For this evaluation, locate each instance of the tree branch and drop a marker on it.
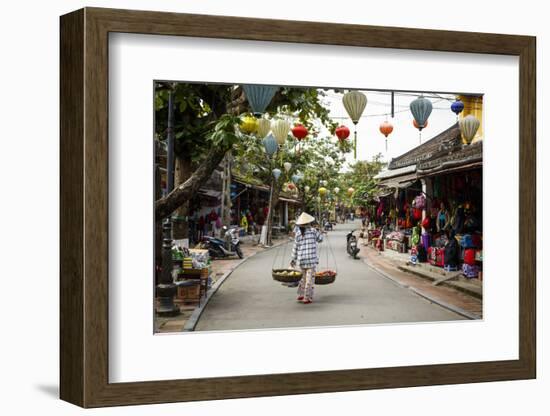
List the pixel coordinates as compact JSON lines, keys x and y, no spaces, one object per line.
{"x":188,"y":189}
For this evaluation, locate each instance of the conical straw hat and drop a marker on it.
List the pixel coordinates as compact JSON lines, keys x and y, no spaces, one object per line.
{"x":304,"y":219}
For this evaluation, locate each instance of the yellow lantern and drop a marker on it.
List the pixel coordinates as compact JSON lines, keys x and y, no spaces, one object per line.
{"x":322,"y":191}
{"x":248,"y":124}
{"x":351,"y":191}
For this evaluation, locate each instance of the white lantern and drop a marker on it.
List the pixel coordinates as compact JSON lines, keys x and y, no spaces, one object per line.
{"x":280,"y":129}
{"x":287,"y":166}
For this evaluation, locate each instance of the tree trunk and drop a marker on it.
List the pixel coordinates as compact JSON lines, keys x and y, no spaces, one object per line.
{"x":273,"y":205}
{"x":183,"y":171}
{"x":182,"y":193}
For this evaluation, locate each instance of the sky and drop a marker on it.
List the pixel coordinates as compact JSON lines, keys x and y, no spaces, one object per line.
{"x":404,"y":136}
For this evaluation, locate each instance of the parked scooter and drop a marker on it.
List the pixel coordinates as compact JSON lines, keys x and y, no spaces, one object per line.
{"x":352,"y":248}
{"x":327,"y":225}
{"x":228,"y":247}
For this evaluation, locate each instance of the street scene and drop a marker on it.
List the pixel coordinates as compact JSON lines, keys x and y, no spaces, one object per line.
{"x":285,"y":207}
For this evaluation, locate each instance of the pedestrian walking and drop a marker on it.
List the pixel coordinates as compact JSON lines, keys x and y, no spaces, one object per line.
{"x":305,"y":254}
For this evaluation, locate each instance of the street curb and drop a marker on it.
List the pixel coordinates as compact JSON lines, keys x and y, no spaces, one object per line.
{"x":191,"y":323}
{"x":422,"y":294}
{"x":450,"y":284}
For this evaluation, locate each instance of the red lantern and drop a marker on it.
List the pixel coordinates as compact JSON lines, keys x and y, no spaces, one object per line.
{"x":426,"y":223}
{"x":342,"y":133}
{"x":415,"y":124}
{"x":417,"y":214}
{"x":291,"y":186}
{"x":299,"y":131}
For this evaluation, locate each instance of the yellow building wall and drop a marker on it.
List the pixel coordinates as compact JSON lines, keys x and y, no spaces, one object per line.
{"x":473,"y":105}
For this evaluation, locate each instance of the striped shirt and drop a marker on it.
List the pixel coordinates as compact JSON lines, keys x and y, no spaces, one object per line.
{"x":304,"y":251}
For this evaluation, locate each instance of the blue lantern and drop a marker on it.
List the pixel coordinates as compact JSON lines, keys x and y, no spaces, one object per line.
{"x":259,"y":96}
{"x":457,"y":106}
{"x":270,"y":144}
{"x":276,"y":173}
{"x":295,"y":178}
{"x":421,"y":108}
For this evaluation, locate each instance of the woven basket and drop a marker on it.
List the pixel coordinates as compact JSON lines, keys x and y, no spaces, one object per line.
{"x":276,"y":273}
{"x":325,"y":279}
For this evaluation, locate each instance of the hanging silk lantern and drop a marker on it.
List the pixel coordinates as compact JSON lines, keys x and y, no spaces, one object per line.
{"x":415,"y":124}
{"x":336,"y":190}
{"x":469,"y":126}
{"x":287,"y":166}
{"x":342,"y":133}
{"x":299,"y":131}
{"x":295,"y":178}
{"x":355,"y":103}
{"x":248,"y":124}
{"x":457,"y":106}
{"x":276,"y":173}
{"x":259,"y":96}
{"x":386,"y":128}
{"x":323,"y":183}
{"x":270,"y":145}
{"x":307,"y":188}
{"x":280,"y":129}
{"x":322,"y":191}
{"x":264,"y":126}
{"x":421,"y":108}
{"x":351,"y":191}
{"x":291,"y":186}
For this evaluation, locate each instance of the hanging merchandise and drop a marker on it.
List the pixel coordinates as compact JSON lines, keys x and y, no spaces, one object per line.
{"x":457,"y":106}
{"x":469,"y":126}
{"x":248,"y":124}
{"x":264,"y":126}
{"x":355,"y":103}
{"x":287,"y":166}
{"x":342,"y":133}
{"x":276,"y":173}
{"x":280,"y":129}
{"x":421,"y":108}
{"x":270,"y":145}
{"x":426,"y":223}
{"x":420,"y":201}
{"x":386,"y":128}
{"x":417,"y":214}
{"x":259,"y":96}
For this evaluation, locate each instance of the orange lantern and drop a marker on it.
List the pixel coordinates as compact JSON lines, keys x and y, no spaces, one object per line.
{"x":386,"y":128}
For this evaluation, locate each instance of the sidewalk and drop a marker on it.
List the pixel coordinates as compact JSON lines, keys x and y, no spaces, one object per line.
{"x":220,"y":270}
{"x":452,"y":291}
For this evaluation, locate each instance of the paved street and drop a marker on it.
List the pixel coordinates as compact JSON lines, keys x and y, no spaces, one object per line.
{"x":250,"y":298}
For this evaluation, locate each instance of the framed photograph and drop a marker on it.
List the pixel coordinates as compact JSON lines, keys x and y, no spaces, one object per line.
{"x":254,"y":207}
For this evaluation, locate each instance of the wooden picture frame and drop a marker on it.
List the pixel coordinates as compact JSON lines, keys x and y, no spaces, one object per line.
{"x":84,"y":207}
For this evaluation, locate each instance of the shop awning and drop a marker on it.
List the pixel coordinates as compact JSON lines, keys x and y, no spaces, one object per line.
{"x":292,"y":201}
{"x":403,"y":181}
{"x":251,"y":185}
{"x":210,"y":193}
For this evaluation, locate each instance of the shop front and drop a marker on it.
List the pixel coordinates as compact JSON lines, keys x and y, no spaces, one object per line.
{"x":430,"y":205}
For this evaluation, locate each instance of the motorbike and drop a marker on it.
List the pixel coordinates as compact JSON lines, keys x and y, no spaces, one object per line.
{"x":228,"y":247}
{"x":352,"y":248}
{"x":328,"y":226}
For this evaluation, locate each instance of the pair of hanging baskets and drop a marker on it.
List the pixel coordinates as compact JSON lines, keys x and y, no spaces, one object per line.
{"x":293,"y":276}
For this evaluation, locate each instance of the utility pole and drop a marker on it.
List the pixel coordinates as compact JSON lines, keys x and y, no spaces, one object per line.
{"x":166,"y":289}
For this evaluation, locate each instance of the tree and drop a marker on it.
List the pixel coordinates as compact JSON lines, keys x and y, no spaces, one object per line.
{"x":361,"y":178}
{"x":206,"y":117}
